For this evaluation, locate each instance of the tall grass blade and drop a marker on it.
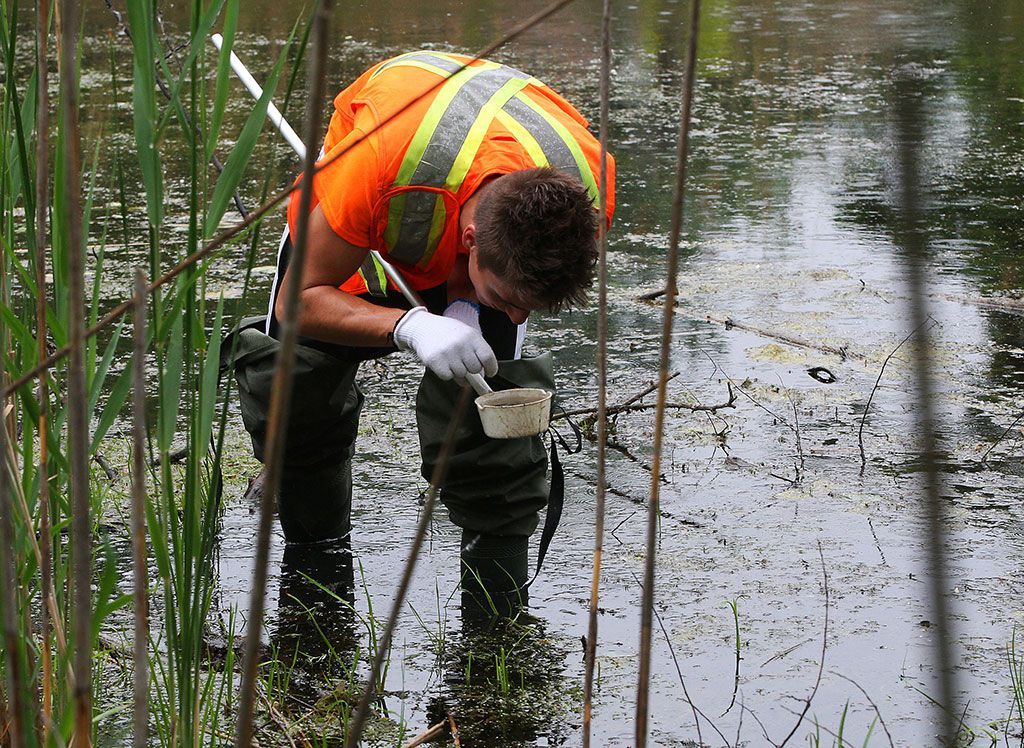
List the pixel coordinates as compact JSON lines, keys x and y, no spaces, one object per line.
{"x":17,"y":713}
{"x":140,"y":569}
{"x":78,"y":433}
{"x":222,"y":89}
{"x":142,"y":26}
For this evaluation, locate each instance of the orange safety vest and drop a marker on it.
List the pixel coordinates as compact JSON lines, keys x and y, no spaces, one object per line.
{"x":449,"y":124}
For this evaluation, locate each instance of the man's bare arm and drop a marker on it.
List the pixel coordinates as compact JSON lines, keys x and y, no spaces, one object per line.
{"x":326,"y":312}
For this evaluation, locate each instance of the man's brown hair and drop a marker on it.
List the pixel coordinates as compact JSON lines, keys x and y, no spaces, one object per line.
{"x":536,"y":229}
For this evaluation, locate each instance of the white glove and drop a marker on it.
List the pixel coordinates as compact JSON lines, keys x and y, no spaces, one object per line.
{"x":447,"y":347}
{"x":464,"y":311}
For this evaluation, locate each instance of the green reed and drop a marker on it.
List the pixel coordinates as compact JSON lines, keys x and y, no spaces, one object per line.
{"x":190,"y":691}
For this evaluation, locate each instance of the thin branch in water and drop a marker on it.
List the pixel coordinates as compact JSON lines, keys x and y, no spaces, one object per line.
{"x":984,"y":457}
{"x":867,"y":407}
{"x":870,"y":701}
{"x":679,"y":672}
{"x":783,"y":337}
{"x":647,"y":605}
{"x":821,"y":662}
{"x":799,"y":440}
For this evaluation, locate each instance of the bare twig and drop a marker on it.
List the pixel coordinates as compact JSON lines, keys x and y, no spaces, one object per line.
{"x":821,"y":662}
{"x":625,"y":403}
{"x":616,"y":410}
{"x":601,"y":415}
{"x":984,"y":457}
{"x":432,"y":732}
{"x":784,"y":337}
{"x":647,"y":605}
{"x":697,"y":713}
{"x":799,"y":440}
{"x":140,"y":572}
{"x":867,"y":407}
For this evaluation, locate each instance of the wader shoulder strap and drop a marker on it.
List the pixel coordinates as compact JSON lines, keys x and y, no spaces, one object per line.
{"x":556,"y":495}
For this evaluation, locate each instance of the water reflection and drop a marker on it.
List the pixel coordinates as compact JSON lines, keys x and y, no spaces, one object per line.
{"x":504,"y":684}
{"x":314,"y":629}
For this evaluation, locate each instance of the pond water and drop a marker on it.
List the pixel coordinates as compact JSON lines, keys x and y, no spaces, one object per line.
{"x":790,"y":230}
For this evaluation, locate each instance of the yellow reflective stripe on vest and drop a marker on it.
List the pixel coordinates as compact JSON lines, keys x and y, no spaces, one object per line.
{"x":436,"y":62}
{"x":524,"y":138}
{"x":466,"y":154}
{"x":560,"y":147}
{"x":372,"y":273}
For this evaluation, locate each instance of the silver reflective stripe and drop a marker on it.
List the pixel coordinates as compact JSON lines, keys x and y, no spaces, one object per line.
{"x":445,"y":63}
{"x":439,"y":157}
{"x":555,"y":149}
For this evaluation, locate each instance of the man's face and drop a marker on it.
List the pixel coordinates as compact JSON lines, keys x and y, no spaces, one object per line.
{"x":493,"y":291}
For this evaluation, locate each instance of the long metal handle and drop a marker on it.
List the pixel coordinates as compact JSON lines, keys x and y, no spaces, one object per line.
{"x":278,"y":120}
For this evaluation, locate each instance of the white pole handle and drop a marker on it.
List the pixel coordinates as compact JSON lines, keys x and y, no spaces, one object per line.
{"x":299,"y":147}
{"x":257,"y":91}
{"x":476,"y":379}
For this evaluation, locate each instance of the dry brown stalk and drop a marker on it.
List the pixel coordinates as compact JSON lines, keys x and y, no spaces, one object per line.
{"x":42,"y":390}
{"x":647,"y":606}
{"x":602,"y":377}
{"x":434,"y":731}
{"x":283,"y":375}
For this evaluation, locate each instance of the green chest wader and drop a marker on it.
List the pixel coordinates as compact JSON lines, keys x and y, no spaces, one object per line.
{"x":494,"y":489}
{"x":315,"y":500}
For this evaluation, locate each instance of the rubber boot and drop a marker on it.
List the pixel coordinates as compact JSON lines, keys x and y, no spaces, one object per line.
{"x":315,"y":504}
{"x":494,"y":575}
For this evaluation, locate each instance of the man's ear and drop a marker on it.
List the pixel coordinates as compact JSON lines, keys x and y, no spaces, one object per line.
{"x":469,"y":236}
